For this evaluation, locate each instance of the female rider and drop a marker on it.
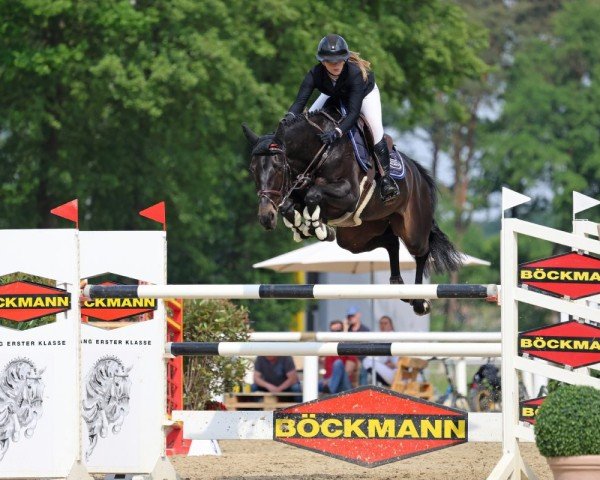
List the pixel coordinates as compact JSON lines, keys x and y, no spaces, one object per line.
{"x":341,"y":75}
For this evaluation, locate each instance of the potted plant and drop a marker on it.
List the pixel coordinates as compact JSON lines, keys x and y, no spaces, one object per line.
{"x":567,"y":432}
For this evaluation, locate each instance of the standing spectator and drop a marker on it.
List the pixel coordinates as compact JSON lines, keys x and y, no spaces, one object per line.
{"x":276,"y":374}
{"x":385,"y":367}
{"x":338,"y":370}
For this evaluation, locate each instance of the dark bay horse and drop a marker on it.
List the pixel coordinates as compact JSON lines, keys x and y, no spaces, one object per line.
{"x":311,"y":184}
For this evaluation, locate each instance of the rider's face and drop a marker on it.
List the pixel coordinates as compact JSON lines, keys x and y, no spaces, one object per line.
{"x":334,"y":68}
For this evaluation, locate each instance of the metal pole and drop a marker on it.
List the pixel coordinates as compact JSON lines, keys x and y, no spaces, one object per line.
{"x":323,"y":292}
{"x":228,"y":349}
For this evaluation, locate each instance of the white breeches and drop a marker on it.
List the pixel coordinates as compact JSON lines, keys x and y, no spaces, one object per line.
{"x":370,"y":108}
{"x":378,"y":364}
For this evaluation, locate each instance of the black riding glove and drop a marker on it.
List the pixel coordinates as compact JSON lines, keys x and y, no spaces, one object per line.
{"x":329,"y":137}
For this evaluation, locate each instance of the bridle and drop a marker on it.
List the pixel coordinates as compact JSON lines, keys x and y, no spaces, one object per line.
{"x":274,"y":150}
{"x":302,"y":179}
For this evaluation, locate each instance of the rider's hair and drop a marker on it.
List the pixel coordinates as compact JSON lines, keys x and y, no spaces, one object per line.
{"x":361,"y":63}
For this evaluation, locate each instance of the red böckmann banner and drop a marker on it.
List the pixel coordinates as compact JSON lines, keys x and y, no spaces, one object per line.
{"x":370,"y":426}
{"x":570,"y":275}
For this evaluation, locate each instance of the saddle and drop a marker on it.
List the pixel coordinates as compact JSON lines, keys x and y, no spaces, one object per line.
{"x":361,"y":137}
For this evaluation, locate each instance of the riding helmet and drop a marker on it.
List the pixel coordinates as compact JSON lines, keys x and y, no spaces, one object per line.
{"x":332,"y":48}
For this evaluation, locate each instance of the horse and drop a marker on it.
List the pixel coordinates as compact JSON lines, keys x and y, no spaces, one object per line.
{"x":21,"y":399}
{"x":106,"y":401}
{"x":312,"y":185}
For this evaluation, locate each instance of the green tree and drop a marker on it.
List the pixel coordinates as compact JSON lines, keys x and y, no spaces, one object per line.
{"x":547,"y":138}
{"x":124,"y":103}
{"x":454,"y":127}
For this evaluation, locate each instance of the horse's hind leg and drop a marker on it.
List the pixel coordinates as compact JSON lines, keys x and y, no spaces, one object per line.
{"x":420,"y":307}
{"x":392,"y":245}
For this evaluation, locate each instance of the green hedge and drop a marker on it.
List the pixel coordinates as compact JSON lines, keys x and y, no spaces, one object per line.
{"x":205,"y":377}
{"x":568,"y":422}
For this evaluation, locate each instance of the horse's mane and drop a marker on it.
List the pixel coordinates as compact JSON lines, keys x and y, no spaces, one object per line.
{"x":315,"y":113}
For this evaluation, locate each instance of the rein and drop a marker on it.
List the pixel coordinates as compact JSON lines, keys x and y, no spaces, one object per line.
{"x":302,"y":179}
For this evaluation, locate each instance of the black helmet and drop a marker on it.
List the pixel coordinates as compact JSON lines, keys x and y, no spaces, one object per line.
{"x":332,"y":48}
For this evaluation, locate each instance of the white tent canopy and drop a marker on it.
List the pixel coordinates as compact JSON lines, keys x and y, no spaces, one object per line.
{"x":330,"y":257}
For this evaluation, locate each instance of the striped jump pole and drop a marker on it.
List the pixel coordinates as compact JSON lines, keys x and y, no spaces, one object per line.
{"x":332,"y":349}
{"x":322,"y":292}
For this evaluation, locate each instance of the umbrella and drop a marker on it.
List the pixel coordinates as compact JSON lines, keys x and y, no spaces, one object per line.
{"x":330,"y":257}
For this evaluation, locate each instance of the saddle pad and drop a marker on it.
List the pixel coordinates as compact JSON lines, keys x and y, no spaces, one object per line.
{"x":361,"y":152}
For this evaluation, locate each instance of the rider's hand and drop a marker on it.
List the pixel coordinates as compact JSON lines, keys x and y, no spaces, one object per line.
{"x":330,"y":136}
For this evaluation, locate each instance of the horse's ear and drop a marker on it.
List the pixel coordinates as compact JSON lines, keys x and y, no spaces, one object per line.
{"x":250,"y":135}
{"x":279,"y":134}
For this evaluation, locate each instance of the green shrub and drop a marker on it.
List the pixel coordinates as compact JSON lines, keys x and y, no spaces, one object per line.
{"x":205,"y":377}
{"x":568,"y":422}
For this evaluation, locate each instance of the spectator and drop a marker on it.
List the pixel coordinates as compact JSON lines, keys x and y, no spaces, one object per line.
{"x":353,"y":321}
{"x":353,"y":324}
{"x":385,"y":367}
{"x":276,"y":374}
{"x":386,"y":324}
{"x":338,"y":370}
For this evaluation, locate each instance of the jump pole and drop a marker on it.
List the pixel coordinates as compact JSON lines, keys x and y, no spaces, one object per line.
{"x":332,"y":349}
{"x":319,"y":292}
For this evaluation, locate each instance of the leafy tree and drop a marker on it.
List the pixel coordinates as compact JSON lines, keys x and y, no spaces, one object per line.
{"x":547,"y":138}
{"x":124,"y":103}
{"x":454,"y":127}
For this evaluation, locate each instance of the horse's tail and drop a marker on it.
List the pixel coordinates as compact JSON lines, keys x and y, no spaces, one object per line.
{"x":444,"y":258}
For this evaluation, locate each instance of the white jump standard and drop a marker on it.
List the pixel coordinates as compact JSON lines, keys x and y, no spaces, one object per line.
{"x":319,"y":292}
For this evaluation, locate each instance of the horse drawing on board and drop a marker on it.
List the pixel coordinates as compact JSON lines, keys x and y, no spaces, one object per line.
{"x":317,"y":187}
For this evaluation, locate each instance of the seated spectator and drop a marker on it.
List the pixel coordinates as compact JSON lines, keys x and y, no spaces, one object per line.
{"x":386,"y":324}
{"x":353,"y":324}
{"x":338,"y":370}
{"x":276,"y":374}
{"x":385,"y":367}
{"x":353,"y":321}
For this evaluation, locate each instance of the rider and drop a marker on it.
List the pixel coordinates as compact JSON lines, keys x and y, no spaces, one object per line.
{"x":345,"y":77}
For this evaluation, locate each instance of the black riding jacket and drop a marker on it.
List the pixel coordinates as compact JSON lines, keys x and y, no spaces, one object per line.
{"x":350,"y":88}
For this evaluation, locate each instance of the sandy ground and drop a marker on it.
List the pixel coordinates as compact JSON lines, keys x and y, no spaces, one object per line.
{"x":262,"y":459}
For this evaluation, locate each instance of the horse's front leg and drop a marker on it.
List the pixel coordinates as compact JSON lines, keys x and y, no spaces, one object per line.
{"x":313,"y":215}
{"x":327,"y":200}
{"x":292,"y":218}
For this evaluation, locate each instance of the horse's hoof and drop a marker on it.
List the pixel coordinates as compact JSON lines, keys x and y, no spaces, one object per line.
{"x":421,"y":307}
{"x":396,"y":280}
{"x":330,"y":234}
{"x":321,"y":232}
{"x":297,"y":237}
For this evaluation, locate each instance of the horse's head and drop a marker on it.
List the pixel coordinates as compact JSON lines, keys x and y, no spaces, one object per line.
{"x":270,"y":169}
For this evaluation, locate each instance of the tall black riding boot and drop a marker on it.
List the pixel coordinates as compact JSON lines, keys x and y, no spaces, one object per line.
{"x":389,"y":188}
